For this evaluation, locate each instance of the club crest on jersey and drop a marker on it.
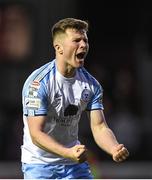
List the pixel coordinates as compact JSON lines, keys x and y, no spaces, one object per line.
{"x":86,"y":95}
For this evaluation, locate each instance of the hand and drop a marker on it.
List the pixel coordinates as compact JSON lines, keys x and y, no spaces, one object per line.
{"x":78,"y":153}
{"x":120,"y":153}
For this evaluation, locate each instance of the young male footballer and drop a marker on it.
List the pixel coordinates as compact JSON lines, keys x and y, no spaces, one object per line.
{"x":54,"y":97}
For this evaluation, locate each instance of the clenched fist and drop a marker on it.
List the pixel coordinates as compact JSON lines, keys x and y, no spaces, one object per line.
{"x":119,"y":153}
{"x":78,"y":153}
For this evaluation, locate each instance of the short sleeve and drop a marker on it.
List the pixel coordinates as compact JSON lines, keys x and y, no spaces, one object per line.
{"x":97,"y":99}
{"x":35,"y":101}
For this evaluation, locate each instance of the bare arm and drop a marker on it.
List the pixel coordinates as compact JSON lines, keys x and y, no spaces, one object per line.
{"x":47,"y":143}
{"x":105,"y":138}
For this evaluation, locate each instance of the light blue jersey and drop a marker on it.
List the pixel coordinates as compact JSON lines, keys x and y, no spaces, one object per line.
{"x":62,"y":100}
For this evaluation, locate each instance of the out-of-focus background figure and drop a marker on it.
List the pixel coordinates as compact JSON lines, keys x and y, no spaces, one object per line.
{"x":15,"y":49}
{"x":120,"y":58}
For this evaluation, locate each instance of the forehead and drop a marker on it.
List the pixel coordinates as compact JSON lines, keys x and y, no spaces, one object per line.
{"x":75,"y":32}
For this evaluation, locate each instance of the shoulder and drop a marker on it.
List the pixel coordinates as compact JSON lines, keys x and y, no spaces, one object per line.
{"x":89,"y":77}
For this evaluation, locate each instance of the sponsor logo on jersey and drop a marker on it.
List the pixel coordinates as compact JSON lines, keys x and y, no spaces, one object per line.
{"x":33,"y":103}
{"x":71,"y":110}
{"x":34,"y":86}
{"x":67,"y":121}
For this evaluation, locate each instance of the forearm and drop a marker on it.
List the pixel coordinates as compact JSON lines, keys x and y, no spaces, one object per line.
{"x":48,"y":144}
{"x":51,"y":145}
{"x":105,"y":139}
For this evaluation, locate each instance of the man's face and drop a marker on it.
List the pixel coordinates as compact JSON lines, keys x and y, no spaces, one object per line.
{"x":75,"y":47}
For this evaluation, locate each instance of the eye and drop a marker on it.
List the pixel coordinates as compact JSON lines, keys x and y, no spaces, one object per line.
{"x":85,"y":40}
{"x":77,"y":40}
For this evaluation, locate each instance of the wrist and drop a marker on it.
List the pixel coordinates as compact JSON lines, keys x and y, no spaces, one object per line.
{"x":65,"y":152}
{"x":116,"y":148}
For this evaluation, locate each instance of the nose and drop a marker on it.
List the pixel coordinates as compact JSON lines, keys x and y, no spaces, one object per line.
{"x":83,"y":44}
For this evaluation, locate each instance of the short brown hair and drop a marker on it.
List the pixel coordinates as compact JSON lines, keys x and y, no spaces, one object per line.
{"x":63,"y":24}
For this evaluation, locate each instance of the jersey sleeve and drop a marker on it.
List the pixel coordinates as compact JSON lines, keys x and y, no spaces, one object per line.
{"x":35,"y":101}
{"x":97,"y":99}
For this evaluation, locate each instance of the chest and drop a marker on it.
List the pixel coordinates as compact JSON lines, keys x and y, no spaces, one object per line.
{"x":69,"y":98}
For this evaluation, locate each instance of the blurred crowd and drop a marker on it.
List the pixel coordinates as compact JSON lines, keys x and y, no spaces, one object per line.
{"x":123,"y":70}
{"x":15,"y":49}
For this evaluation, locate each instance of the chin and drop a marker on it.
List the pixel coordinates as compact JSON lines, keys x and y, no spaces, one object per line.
{"x":81,"y":64}
{"x":78,"y":66}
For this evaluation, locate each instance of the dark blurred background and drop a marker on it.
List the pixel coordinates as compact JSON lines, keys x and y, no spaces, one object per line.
{"x":120,"y":58}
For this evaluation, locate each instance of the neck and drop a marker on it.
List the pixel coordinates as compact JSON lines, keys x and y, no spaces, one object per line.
{"x":65,"y":69}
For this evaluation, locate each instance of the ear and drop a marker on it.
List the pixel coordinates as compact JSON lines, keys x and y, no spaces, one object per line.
{"x":58,"y":48}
